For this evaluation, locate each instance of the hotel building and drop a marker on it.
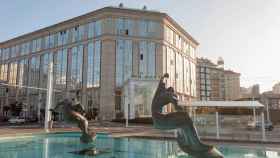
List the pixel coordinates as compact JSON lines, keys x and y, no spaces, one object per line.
{"x":97,"y":53}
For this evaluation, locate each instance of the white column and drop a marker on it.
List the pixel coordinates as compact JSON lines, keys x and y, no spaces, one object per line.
{"x":217,"y":126}
{"x":49,"y":96}
{"x":127,"y":114}
{"x":267,"y":112}
{"x":39,"y":107}
{"x":263,"y":127}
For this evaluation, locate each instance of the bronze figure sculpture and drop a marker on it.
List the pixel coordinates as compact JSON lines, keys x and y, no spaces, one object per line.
{"x":74,"y":113}
{"x":187,"y":137}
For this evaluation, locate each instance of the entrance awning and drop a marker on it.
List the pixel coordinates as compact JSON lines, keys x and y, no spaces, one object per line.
{"x":225,"y":104}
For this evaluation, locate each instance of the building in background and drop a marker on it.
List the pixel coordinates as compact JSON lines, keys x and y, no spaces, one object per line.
{"x":232,"y":85}
{"x":276,"y":88}
{"x":97,"y":53}
{"x":216,"y":83}
{"x":210,"y":79}
{"x":250,"y":92}
{"x":272,"y":102}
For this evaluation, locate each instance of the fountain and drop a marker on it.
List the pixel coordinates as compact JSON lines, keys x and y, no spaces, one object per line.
{"x":74,"y":112}
{"x":187,"y":137}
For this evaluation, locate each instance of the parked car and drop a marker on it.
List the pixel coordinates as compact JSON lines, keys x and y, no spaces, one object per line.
{"x":258,"y":125}
{"x":16,"y":120}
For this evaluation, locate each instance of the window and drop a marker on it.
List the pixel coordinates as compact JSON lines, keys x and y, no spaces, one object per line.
{"x":33,"y":48}
{"x":47,"y":42}
{"x":6,"y":53}
{"x":153,"y":28}
{"x":93,"y":68}
{"x":51,"y":41}
{"x":38,"y":44}
{"x":124,"y":26}
{"x":90,"y":65}
{"x":193,"y":78}
{"x":4,"y":72}
{"x":143,"y":26}
{"x":91,"y":27}
{"x":98,"y":28}
{"x":171,"y":66}
{"x":179,"y":72}
{"x":81,"y":32}
{"x":22,"y":75}
{"x":187,"y":76}
{"x":34,"y":72}
{"x":192,"y":52}
{"x":17,"y":49}
{"x":97,"y":62}
{"x":62,"y":37}
{"x":76,"y":67}
{"x":13,"y":73}
{"x":123,"y":61}
{"x":60,"y":68}
{"x":24,"y":48}
{"x":147,"y":62}
{"x":45,"y":60}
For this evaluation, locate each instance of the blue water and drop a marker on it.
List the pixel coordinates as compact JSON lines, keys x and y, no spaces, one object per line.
{"x":67,"y":145}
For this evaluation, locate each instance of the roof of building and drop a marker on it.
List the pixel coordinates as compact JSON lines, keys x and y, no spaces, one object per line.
{"x":231,"y":72}
{"x":270,"y":94}
{"x":107,"y":9}
{"x":226,"y":104}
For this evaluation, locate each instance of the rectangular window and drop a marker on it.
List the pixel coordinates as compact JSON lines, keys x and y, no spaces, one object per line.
{"x":179,"y":72}
{"x":46,"y":58}
{"x":62,"y":37}
{"x":90,"y":65}
{"x":34,"y":73}
{"x":91,"y":27}
{"x":6,"y":53}
{"x":4,"y":72}
{"x":33,"y":46}
{"x":124,"y":26}
{"x":143,"y":28}
{"x":186,"y":76}
{"x":76,"y":67}
{"x":13,"y":73}
{"x":75,"y":34}
{"x":153,"y":28}
{"x":123,"y":61}
{"x":38,"y":44}
{"x":81,"y":32}
{"x":97,"y":62}
{"x":18,"y":49}
{"x":93,"y":67}
{"x":147,"y":59}
{"x":60,"y":68}
{"x":51,"y":41}
{"x":171,"y":66}
{"x":98,"y":28}
{"x":47,"y":42}
{"x":22,"y":75}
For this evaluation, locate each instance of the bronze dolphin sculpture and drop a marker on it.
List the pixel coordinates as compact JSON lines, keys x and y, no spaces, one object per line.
{"x":187,"y":137}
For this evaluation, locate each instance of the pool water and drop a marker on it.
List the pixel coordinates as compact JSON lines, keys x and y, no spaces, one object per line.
{"x":68,"y":145}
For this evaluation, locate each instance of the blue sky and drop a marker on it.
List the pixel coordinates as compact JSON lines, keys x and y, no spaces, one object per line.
{"x":244,"y":32}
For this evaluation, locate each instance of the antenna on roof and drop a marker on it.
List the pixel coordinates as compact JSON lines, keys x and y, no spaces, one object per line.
{"x":121,"y":5}
{"x":144,"y":7}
